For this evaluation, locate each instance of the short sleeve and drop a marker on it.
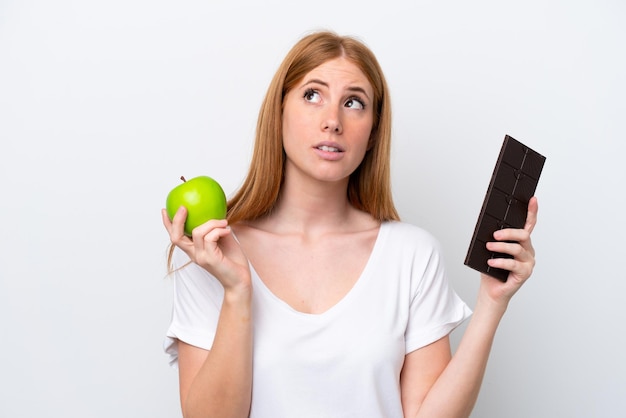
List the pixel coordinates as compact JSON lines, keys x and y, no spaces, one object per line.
{"x":435,"y":308}
{"x":196,"y":307}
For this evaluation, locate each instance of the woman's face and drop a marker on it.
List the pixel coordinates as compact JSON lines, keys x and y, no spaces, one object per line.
{"x":327,"y":121}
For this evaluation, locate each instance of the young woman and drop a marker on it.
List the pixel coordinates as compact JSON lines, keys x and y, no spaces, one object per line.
{"x":312,"y":299}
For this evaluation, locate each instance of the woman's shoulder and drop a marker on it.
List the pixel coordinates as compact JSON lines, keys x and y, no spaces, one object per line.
{"x":408,"y":234}
{"x":406,"y":228}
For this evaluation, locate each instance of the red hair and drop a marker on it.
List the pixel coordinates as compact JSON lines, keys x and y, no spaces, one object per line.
{"x":369,"y":187}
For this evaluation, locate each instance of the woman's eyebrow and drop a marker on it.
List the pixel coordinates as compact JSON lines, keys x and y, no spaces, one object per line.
{"x":315,"y":81}
{"x":355,"y":89}
{"x":358,"y":89}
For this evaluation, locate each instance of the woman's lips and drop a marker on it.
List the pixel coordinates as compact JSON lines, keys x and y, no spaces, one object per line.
{"x":329,"y":151}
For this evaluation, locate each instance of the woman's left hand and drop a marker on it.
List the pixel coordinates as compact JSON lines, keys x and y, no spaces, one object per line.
{"x":517,"y":243}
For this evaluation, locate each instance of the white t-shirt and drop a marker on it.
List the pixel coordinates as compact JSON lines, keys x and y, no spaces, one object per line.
{"x":345,"y":362}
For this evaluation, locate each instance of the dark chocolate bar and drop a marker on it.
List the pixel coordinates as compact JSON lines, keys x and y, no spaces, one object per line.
{"x":512,"y":184}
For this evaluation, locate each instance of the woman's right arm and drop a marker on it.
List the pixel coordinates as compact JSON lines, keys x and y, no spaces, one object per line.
{"x":217,"y":383}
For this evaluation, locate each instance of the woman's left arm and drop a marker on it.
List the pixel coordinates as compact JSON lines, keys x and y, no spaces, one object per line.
{"x":455,"y":391}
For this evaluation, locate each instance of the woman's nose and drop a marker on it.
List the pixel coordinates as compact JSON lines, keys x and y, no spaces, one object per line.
{"x":332,"y":121}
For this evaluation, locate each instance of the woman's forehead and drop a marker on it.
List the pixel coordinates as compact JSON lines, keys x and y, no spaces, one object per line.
{"x":338,"y":70}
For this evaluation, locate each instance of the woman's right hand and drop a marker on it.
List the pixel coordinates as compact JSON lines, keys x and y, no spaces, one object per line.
{"x":213,"y":247}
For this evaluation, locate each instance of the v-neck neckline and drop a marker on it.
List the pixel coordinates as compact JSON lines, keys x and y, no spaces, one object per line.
{"x":259,"y":284}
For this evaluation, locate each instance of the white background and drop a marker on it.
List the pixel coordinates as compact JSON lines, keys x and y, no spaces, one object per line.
{"x":103,"y":105}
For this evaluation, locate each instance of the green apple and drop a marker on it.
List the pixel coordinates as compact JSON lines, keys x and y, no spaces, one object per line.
{"x":203,"y":197}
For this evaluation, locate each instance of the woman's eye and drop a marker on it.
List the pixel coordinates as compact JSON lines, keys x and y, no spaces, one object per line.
{"x":312,"y":96}
{"x":355,"y":103}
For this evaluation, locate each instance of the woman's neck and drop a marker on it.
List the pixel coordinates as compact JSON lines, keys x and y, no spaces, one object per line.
{"x":313,"y":207}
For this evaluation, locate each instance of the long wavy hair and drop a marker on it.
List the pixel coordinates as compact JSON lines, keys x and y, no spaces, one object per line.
{"x":369,"y":186}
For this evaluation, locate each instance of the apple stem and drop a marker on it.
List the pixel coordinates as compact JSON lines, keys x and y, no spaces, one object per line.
{"x":183,"y":178}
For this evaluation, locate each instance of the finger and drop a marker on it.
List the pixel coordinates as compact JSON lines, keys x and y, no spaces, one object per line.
{"x":531,"y":217}
{"x":522,"y":263}
{"x":521,"y":270}
{"x":167,"y":223}
{"x":513,"y":249}
{"x":202,"y":230}
{"x":214,"y":237}
{"x":510,"y":234}
{"x":178,"y":222}
{"x":206,"y":236}
{"x":175,"y":231}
